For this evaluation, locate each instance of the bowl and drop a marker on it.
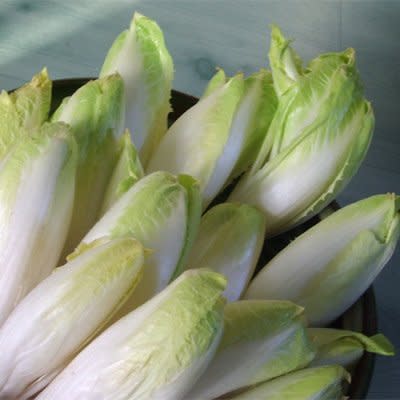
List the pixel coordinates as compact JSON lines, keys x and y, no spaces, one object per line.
{"x":361,"y":317}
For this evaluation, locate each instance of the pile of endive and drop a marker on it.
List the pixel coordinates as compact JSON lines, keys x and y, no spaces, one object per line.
{"x":121,"y":278}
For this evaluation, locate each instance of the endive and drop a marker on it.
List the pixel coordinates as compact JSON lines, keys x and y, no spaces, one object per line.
{"x":37,"y":178}
{"x":262,"y":340}
{"x":320,"y":383}
{"x":205,"y":142}
{"x":23,"y":111}
{"x":156,"y":352}
{"x":229,"y":241}
{"x":127,"y":172}
{"x":345,"y":348}
{"x":140,"y":55}
{"x":60,"y":315}
{"x":316,"y":142}
{"x":162,"y":212}
{"x":95,"y":113}
{"x":253,"y":116}
{"x":327,"y":268}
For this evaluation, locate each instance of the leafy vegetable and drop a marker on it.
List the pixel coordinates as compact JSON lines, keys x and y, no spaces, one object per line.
{"x":37,"y":178}
{"x":229,"y":241}
{"x":139,"y":54}
{"x":95,"y":113}
{"x":316,"y":142}
{"x":327,"y":268}
{"x":63,"y":313}
{"x":156,"y":352}
{"x":162,"y":212}
{"x":262,"y":340}
{"x":202,"y":142}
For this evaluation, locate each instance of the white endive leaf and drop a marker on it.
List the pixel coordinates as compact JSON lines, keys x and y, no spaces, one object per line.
{"x":95,"y":113}
{"x":140,"y":56}
{"x":205,"y":142}
{"x":345,"y":348}
{"x":327,"y":268}
{"x":156,"y":352}
{"x":23,"y":111}
{"x":262,"y":340}
{"x":37,"y":178}
{"x":229,"y":241}
{"x":162,"y":212}
{"x":320,"y":383}
{"x":60,"y":315}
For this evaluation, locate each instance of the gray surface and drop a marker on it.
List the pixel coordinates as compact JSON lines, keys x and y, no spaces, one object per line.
{"x":72,"y":37}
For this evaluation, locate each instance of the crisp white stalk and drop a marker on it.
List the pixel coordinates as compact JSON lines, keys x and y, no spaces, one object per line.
{"x":23,"y":111}
{"x":162,"y":212}
{"x":156,"y":352}
{"x":63,"y":313}
{"x":95,"y":113}
{"x":37,"y":178}
{"x":140,"y":56}
{"x":229,"y":241}
{"x":320,"y":383}
{"x":345,"y":348}
{"x":262,"y":340}
{"x":205,"y":142}
{"x":327,"y":268}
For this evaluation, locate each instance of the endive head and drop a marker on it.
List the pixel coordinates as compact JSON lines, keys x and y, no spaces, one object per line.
{"x":200,"y":143}
{"x":95,"y":111}
{"x":345,"y":348}
{"x":319,"y":138}
{"x":127,"y":172}
{"x":142,"y":356}
{"x":320,"y":383}
{"x":229,"y":241}
{"x":140,"y":56}
{"x":311,"y":166}
{"x":162,"y":211}
{"x":327,"y":268}
{"x":277,"y":327}
{"x":64,"y":312}
{"x":37,"y":178}
{"x":23,"y":111}
{"x":261,"y":340}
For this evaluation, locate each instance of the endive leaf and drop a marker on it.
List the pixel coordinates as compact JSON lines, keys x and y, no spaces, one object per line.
{"x":320,"y":383}
{"x":345,"y":348}
{"x":286,"y":65}
{"x":127,"y":172}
